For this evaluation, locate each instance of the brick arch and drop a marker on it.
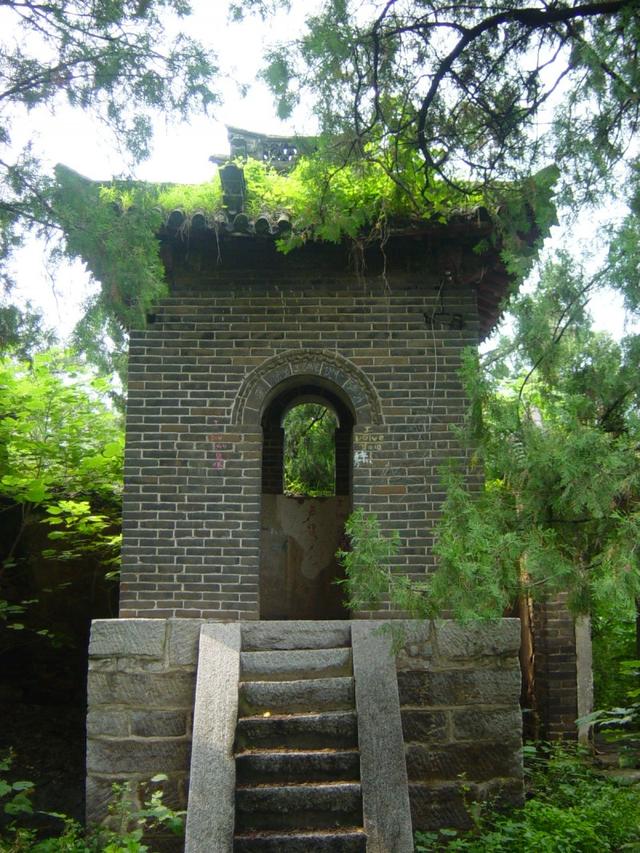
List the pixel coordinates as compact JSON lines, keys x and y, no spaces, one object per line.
{"x":324,"y":365}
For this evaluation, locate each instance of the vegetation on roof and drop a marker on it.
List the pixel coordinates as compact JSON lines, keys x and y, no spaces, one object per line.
{"x":113,"y":227}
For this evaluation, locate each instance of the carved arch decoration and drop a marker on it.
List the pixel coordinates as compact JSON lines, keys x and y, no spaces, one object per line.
{"x":307,"y":364}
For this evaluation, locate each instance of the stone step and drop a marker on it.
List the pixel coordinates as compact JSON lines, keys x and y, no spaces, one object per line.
{"x":253,"y":768}
{"x":323,"y":841}
{"x":289,"y":664}
{"x":299,"y":807}
{"x":326,"y":694}
{"x":261,"y":636}
{"x":337,"y":729}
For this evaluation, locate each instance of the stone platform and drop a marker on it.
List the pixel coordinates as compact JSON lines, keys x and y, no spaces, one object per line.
{"x":456,"y":689}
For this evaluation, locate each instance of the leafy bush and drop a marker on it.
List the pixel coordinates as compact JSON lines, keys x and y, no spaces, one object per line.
{"x":61,"y":458}
{"x":613,"y":631}
{"x":621,"y":723}
{"x":367,"y":564}
{"x":123,"y":834}
{"x":571,"y":810}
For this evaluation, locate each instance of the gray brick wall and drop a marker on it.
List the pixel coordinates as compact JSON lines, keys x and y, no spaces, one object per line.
{"x":199,"y":377}
{"x":555,"y":683}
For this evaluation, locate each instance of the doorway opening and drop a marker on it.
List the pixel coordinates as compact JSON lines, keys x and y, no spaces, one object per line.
{"x":306,"y":498}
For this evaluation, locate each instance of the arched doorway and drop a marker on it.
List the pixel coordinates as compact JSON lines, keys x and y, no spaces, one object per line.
{"x":304,"y":505}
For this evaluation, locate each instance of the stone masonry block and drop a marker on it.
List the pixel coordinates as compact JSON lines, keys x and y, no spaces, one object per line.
{"x":108,"y":723}
{"x":99,"y":792}
{"x":145,"y":757}
{"x":448,"y":640}
{"x":417,"y":650}
{"x":499,"y":725}
{"x":501,"y":792}
{"x":103,"y":664}
{"x":184,"y":635}
{"x":460,"y":687}
{"x":424,"y":726}
{"x":100,"y":795}
{"x":479,"y":762}
{"x":438,"y":806}
{"x":127,"y":638}
{"x":134,"y":665}
{"x":159,"y":723}
{"x":142,"y":690}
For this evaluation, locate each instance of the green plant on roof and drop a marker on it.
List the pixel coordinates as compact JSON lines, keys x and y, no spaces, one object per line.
{"x":113,"y":227}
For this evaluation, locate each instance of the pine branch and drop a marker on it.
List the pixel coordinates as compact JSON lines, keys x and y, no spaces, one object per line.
{"x":530,"y":19}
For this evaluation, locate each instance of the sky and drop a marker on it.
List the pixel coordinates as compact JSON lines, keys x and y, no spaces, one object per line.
{"x":181,"y":154}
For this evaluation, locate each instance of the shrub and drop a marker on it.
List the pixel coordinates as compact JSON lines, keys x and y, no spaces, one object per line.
{"x":570,"y":810}
{"x":124,"y":834}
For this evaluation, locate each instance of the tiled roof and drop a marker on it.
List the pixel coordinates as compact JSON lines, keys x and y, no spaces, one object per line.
{"x":250,"y":241}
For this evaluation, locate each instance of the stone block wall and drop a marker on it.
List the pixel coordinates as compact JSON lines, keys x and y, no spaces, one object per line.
{"x":141,"y":687}
{"x":458,"y":686}
{"x":459,"y":692}
{"x":201,"y":374}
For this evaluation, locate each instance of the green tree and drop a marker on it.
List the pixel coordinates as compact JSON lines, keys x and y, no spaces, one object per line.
{"x":23,"y":331}
{"x":61,"y":454}
{"x":484,"y":90}
{"x":121,"y":60}
{"x":309,"y":451}
{"x":554,"y":427}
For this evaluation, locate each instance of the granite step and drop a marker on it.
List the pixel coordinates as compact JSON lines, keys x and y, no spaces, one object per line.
{"x":338,"y":729}
{"x":262,"y":636}
{"x":299,"y":807}
{"x":297,"y":760}
{"x":253,"y":768}
{"x":290,"y":664}
{"x":323,"y":841}
{"x":316,"y":694}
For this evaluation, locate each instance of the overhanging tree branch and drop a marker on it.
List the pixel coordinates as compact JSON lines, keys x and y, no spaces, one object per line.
{"x":530,"y":19}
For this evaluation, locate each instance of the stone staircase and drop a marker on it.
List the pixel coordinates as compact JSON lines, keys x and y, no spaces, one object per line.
{"x":297,"y":760}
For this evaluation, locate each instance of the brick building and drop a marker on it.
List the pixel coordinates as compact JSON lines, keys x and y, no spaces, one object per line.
{"x":245,"y":335}
{"x":234,"y":347}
